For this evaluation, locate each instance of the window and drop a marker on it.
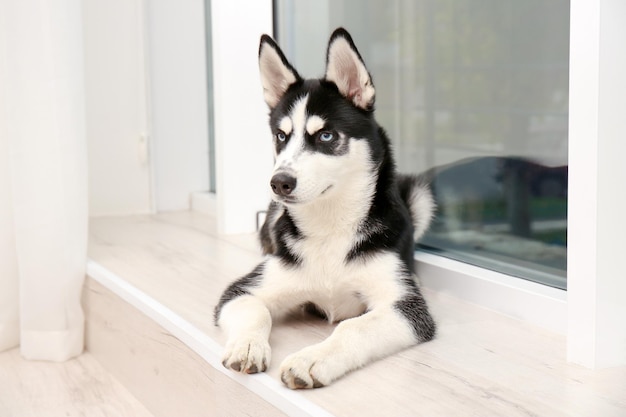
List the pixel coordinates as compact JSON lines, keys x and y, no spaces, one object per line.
{"x":210,"y":93}
{"x":476,"y":93}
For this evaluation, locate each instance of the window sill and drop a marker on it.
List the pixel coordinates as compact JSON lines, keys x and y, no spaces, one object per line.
{"x":173,"y":266}
{"x":528,"y":301}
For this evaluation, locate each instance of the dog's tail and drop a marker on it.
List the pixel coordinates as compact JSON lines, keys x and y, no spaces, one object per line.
{"x":416,"y":194}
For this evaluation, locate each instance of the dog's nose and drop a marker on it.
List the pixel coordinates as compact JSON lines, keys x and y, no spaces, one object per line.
{"x":283,"y":184}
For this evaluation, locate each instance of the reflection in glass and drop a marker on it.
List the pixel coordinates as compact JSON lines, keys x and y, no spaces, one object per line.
{"x":476,"y":93}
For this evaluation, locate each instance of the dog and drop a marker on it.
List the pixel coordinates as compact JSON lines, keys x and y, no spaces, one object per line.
{"x":338,"y":237}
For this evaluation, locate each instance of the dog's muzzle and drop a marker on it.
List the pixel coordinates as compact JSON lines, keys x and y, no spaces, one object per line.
{"x":283,"y":184}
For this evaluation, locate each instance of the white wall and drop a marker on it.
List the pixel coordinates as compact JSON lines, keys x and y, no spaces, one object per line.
{"x":178,"y":101}
{"x":119,"y":174}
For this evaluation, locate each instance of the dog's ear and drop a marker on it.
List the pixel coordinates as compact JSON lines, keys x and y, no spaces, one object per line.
{"x":277,"y":74}
{"x":345,"y":67}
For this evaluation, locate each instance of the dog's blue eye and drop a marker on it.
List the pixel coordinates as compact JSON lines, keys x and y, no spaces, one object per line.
{"x":326,"y":136}
{"x":281,"y":137}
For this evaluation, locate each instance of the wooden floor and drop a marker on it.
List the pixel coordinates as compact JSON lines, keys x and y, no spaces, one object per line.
{"x":79,"y":387}
{"x":481,"y":363}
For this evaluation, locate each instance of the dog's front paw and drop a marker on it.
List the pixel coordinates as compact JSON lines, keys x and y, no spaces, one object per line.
{"x":248,"y":355}
{"x":308,"y":368}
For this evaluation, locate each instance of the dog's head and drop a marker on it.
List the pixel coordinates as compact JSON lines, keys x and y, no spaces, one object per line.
{"x":321,"y":126}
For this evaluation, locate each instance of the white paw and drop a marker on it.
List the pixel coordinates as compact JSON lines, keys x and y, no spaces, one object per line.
{"x":309,"y":368}
{"x":248,"y":355}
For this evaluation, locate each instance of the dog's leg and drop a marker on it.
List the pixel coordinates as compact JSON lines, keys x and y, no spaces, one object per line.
{"x":354,"y":343}
{"x":247,"y":322}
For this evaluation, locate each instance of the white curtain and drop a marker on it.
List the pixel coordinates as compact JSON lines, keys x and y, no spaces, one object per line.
{"x":43,"y":184}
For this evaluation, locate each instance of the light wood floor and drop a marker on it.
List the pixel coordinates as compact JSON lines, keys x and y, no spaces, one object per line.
{"x":481,"y":363}
{"x":79,"y":387}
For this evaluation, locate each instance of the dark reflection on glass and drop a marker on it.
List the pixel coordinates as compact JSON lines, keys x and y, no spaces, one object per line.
{"x":503,"y":213}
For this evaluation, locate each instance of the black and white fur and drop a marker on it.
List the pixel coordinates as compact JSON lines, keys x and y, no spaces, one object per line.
{"x":339,"y":235}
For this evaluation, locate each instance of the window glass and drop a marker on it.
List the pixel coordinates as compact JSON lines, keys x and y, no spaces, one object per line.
{"x":210,"y":93}
{"x":476,"y":91}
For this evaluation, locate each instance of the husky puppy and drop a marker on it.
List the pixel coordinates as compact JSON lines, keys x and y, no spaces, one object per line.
{"x":339,"y":233}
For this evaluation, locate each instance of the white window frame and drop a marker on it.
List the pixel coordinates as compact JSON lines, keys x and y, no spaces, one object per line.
{"x":597,"y":170}
{"x":591,"y":312}
{"x":529,"y":301}
{"x":242,"y":137}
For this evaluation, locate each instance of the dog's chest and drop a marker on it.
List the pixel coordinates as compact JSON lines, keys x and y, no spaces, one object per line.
{"x":325,"y":255}
{"x":326,"y":277}
{"x":332,"y":283}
